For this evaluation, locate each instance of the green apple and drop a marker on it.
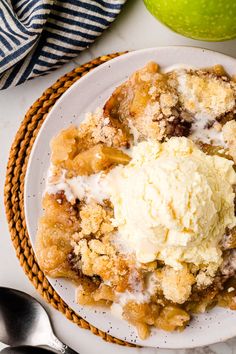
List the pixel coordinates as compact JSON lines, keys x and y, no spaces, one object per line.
{"x":209,"y":20}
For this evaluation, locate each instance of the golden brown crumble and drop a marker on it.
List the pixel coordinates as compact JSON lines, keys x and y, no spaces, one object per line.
{"x":198,"y":90}
{"x":95,"y":219}
{"x":148,"y":104}
{"x":177,"y":284}
{"x":109,"y":131}
{"x":99,"y":258}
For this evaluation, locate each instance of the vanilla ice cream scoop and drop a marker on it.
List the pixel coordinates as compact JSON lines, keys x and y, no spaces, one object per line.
{"x":173,"y":202}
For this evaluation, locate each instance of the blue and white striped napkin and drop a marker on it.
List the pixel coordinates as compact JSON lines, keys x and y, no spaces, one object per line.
{"x":37,"y":36}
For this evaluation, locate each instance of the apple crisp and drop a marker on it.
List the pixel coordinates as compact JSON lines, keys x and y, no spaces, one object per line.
{"x":119,"y":218}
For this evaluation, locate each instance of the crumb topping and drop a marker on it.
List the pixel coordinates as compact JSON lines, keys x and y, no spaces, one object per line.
{"x":177,"y":284}
{"x":201,"y":93}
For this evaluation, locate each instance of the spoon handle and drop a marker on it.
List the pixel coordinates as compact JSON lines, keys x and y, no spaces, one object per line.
{"x":68,"y":350}
{"x":56,"y":344}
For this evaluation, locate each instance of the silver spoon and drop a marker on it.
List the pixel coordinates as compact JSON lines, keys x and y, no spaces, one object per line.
{"x":23,"y":321}
{"x":25,"y":350}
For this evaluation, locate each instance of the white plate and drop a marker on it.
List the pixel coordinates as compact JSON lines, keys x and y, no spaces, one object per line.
{"x":85,"y":95}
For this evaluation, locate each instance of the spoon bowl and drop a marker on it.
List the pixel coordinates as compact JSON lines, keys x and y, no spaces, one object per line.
{"x":24,"y":321}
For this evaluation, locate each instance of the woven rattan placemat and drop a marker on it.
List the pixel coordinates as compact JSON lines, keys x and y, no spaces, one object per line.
{"x":14,"y":191}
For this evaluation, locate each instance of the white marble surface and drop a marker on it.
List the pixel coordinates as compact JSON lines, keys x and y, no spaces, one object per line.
{"x":134,"y":29}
